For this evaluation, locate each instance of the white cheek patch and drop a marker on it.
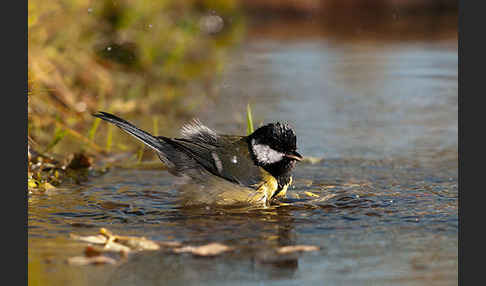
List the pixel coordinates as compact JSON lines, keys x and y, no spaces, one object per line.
{"x":265,"y":154}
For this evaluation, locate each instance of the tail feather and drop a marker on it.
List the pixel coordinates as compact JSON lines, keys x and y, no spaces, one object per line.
{"x":169,"y":151}
{"x":148,"y":139}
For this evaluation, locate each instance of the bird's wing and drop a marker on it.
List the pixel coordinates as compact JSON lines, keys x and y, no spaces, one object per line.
{"x":229,"y":160}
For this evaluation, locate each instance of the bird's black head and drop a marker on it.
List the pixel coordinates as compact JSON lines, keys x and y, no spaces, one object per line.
{"x":273,"y":147}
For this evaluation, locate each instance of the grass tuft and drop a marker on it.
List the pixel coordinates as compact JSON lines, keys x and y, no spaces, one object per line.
{"x":249,"y":120}
{"x":58,"y":136}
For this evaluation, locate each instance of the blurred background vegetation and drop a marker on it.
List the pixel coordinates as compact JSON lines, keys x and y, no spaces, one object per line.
{"x":125,"y":57}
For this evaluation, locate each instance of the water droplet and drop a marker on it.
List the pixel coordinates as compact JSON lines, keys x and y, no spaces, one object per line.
{"x":81,"y":107}
{"x":234,"y":160}
{"x":108,"y":48}
{"x":211,"y":24}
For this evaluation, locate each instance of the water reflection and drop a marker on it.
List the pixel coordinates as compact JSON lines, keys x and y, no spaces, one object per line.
{"x":354,"y":202}
{"x":381,"y":97}
{"x":255,"y":233}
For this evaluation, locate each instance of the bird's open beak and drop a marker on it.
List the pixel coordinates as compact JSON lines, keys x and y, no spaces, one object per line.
{"x":294,"y":156}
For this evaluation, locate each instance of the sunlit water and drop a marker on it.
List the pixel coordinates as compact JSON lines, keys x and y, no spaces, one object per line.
{"x":382,"y":114}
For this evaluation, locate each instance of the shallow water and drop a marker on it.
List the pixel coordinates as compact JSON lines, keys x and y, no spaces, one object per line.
{"x":383,"y":115}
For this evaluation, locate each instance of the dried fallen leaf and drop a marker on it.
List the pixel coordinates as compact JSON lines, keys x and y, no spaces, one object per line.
{"x":133,"y":242}
{"x":106,"y":232}
{"x":96,"y":239}
{"x":91,"y":251}
{"x":211,"y":249}
{"x":122,"y":244}
{"x":296,"y":248}
{"x":82,"y":260}
{"x":114,"y":246}
{"x":170,"y":244}
{"x":139,"y":243}
{"x":94,"y":250}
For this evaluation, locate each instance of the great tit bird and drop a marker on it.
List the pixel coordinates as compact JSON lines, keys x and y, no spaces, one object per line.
{"x":224,"y":169}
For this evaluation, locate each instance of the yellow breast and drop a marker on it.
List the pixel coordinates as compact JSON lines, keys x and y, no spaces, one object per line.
{"x":216,"y":190}
{"x":267,"y":188}
{"x":283,"y":192}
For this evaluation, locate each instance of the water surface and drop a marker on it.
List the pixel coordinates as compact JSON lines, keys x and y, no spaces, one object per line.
{"x":383,"y":115}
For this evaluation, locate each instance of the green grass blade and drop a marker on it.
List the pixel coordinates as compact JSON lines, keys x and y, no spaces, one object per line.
{"x":109,"y":138}
{"x":58,"y":136}
{"x":249,"y":120}
{"x":140,"y":154}
{"x":94,"y":127}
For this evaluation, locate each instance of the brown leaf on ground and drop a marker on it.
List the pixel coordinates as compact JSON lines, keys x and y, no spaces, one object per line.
{"x":137,"y":243}
{"x":117,"y":247}
{"x":169,"y":244}
{"x":125,"y":244}
{"x":96,"y":239}
{"x":82,"y":260}
{"x":131,"y":242}
{"x":111,"y":247}
{"x":211,"y":249}
{"x":91,"y":251}
{"x":296,"y":248}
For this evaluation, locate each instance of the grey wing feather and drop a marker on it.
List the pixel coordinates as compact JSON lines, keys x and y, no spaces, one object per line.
{"x":231,"y":162}
{"x":226,"y":156}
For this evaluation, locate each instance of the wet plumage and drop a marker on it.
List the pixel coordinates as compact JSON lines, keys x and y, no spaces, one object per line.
{"x":224,"y":169}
